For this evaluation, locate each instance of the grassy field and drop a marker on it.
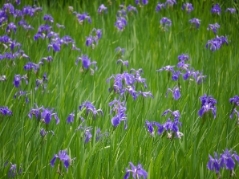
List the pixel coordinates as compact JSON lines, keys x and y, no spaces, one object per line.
{"x":29,"y":141}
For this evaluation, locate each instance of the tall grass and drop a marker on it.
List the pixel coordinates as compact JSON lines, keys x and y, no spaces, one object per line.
{"x":147,"y":47}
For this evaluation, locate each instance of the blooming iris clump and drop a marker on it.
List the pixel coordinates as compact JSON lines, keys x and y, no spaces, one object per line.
{"x":159,"y":7}
{"x":188,"y":7}
{"x":48,"y":18}
{"x":183,"y":69}
{"x":32,"y":66}
{"x":17,"y":80}
{"x":90,"y":108}
{"x":118,"y":109}
{"x":170,"y":2}
{"x":176,"y":92}
{"x":94,"y":37}
{"x":216,"y":9}
{"x":63,"y":157}
{"x":137,"y":171}
{"x":86,"y":63}
{"x":213,"y":27}
{"x":216,"y":43}
{"x":44,"y":114}
{"x":143,"y":2}
{"x":195,"y":22}
{"x":120,"y":23}
{"x":83,"y":17}
{"x":226,"y":160}
{"x":231,"y":10}
{"x":171,"y":126}
{"x":127,"y":82}
{"x":165,"y":22}
{"x":207,"y":104}
{"x":5,"y":111}
{"x":102,"y":9}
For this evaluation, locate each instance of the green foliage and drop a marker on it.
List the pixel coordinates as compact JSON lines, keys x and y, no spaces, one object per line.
{"x":147,"y":47}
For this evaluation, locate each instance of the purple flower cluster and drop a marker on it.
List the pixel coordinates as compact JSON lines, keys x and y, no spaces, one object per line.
{"x":102,"y":9}
{"x":82,"y":17}
{"x":90,"y":108}
{"x":207,"y":104}
{"x":216,"y":43}
{"x":118,"y":109}
{"x":137,"y":172}
{"x":231,"y":10}
{"x":93,"y":38}
{"x":188,"y":7}
{"x":216,"y":9}
{"x":86,"y":63}
{"x":171,"y":126}
{"x":213,"y":27}
{"x":183,"y":69}
{"x":18,"y":79}
{"x":63,"y":157}
{"x":13,"y":171}
{"x":126,"y":83}
{"x":235,"y":101}
{"x":226,"y":160}
{"x":176,"y":92}
{"x":143,"y":2}
{"x":5,"y":111}
{"x":44,"y":114}
{"x":195,"y":22}
{"x":165,"y":22}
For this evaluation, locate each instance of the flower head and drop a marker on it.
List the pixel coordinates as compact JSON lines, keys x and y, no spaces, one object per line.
{"x":137,"y":172}
{"x":89,"y":107}
{"x":216,"y":9}
{"x":165,"y":21}
{"x":231,"y":10}
{"x":188,"y":7}
{"x":195,"y":22}
{"x":5,"y":111}
{"x":159,"y":7}
{"x":102,"y":8}
{"x":62,"y":156}
{"x":120,"y":23}
{"x":213,"y":27}
{"x":176,"y":92}
{"x":208,"y":104}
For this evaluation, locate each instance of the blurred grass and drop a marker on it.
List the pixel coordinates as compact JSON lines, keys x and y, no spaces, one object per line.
{"x":147,"y":47}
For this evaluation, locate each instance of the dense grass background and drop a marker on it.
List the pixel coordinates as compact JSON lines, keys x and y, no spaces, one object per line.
{"x":147,"y":47}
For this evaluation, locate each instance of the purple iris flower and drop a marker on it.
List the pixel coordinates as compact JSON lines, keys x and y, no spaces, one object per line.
{"x":102,"y":8}
{"x":5,"y":111}
{"x":216,"y":9}
{"x":231,"y":10}
{"x":183,"y":57}
{"x":170,"y":2}
{"x":120,"y":50}
{"x":46,"y":116}
{"x":48,"y":17}
{"x":89,"y":107}
{"x":120,"y":23}
{"x":32,"y":66}
{"x":165,"y":21}
{"x":89,"y":41}
{"x":70,"y":118}
{"x":13,"y":171}
{"x":188,"y":7}
{"x":175,"y":91}
{"x":213,"y":27}
{"x":235,"y":100}
{"x":131,"y":8}
{"x":63,"y":156}
{"x":159,"y":7}
{"x":25,"y":25}
{"x":11,"y":27}
{"x":137,"y":172}
{"x":216,"y":43}
{"x":119,"y":110}
{"x":83,"y":17}
{"x":207,"y":104}
{"x":143,"y":2}
{"x":226,"y":160}
{"x":86,"y":63}
{"x":195,"y":22}
{"x":17,"y":80}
